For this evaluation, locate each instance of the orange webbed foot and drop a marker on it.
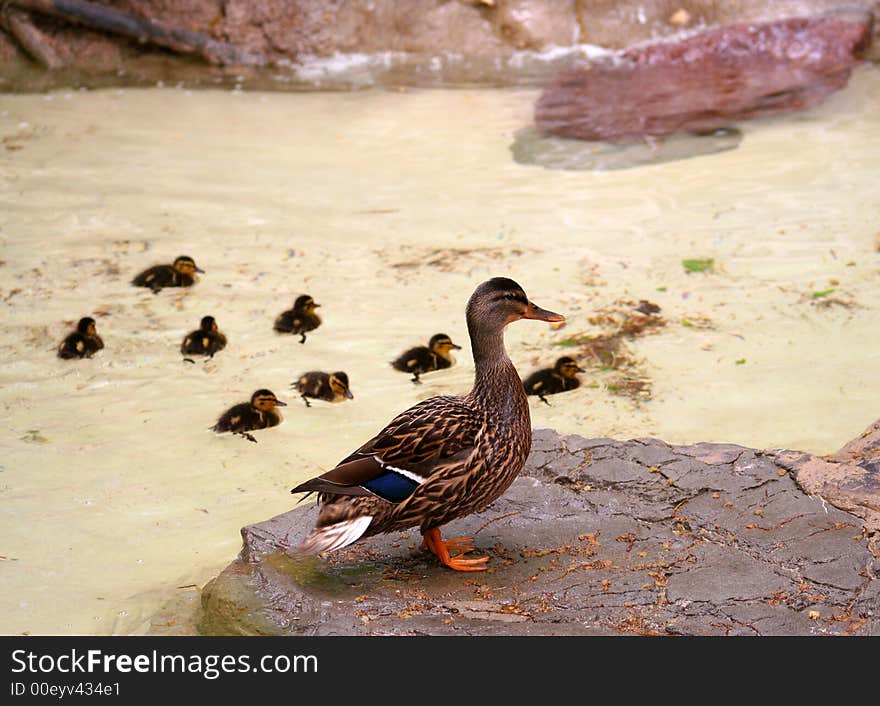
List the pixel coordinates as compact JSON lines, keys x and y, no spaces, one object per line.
{"x":462,"y":545}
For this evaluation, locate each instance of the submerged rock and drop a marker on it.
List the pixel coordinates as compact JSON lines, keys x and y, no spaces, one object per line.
{"x":704,"y":82}
{"x":596,"y":536}
{"x":530,"y":146}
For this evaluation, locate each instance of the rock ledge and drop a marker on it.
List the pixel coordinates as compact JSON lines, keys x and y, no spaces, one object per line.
{"x":596,"y":536}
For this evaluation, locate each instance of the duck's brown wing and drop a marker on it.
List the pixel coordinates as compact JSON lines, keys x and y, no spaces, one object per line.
{"x":405,"y":453}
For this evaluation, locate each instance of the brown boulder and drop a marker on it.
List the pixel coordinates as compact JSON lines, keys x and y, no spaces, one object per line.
{"x":705,"y":81}
{"x":848,"y":479}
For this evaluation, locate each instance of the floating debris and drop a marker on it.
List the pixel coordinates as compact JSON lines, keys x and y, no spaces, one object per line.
{"x":608,"y":352}
{"x":33,"y":436}
{"x":698,"y":265}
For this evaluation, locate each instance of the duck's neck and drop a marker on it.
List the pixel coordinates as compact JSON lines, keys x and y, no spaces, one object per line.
{"x":496,"y":383}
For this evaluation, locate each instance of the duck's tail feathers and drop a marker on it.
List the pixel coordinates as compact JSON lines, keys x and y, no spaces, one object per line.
{"x":335,"y":536}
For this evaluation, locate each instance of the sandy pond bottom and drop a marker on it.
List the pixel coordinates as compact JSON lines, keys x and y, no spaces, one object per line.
{"x":388,"y":208}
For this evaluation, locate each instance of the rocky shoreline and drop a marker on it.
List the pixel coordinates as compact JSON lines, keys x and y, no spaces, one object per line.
{"x":598,"y":536}
{"x":312,"y":44}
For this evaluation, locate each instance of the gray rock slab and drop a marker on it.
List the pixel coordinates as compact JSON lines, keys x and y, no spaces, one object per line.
{"x":595,"y":537}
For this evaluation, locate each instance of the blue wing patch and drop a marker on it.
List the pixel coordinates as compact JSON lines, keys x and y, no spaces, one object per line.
{"x":392,"y":486}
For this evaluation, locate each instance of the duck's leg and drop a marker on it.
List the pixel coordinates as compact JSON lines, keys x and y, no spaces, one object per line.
{"x":462,"y":545}
{"x":308,"y":404}
{"x":303,"y":339}
{"x":249,"y":437}
{"x":544,"y":399}
{"x":415,"y":379}
{"x":434,"y":542}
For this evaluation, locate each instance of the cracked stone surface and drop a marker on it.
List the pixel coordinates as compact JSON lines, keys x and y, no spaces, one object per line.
{"x":596,"y":536}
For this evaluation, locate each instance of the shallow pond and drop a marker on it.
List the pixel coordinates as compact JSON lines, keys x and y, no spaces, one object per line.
{"x":388,"y":208}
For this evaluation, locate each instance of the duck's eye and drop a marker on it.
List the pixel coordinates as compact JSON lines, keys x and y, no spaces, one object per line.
{"x":510,"y":295}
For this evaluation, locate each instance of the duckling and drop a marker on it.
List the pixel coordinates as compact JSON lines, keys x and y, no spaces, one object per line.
{"x":179,"y":274}
{"x":82,"y":343}
{"x":550,"y":381}
{"x":300,"y":319}
{"x":332,"y":387}
{"x":207,"y":340}
{"x":259,"y":413}
{"x":423,"y":359}
{"x":443,"y":458}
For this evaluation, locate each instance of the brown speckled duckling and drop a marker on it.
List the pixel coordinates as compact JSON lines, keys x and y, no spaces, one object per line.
{"x":550,"y":381}
{"x":207,"y":340}
{"x":332,"y":387}
{"x":179,"y":274}
{"x":300,"y":319}
{"x":82,"y":343}
{"x":259,"y":413}
{"x":437,"y":355}
{"x":444,"y":458}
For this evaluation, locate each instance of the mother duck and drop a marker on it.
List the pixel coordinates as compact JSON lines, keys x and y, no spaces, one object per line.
{"x":444,"y":458}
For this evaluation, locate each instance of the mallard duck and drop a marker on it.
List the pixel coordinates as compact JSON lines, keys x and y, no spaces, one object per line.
{"x":549,"y":381}
{"x":207,"y":340}
{"x":332,"y":387}
{"x":181,"y":273}
{"x":259,"y":413}
{"x":443,"y":458}
{"x":300,"y":319}
{"x":423,"y":359}
{"x":82,"y":343}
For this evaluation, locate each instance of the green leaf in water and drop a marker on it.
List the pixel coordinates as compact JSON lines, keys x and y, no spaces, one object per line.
{"x":576,"y":340}
{"x":685,"y":322}
{"x":740,"y":361}
{"x":823,"y":293}
{"x":700,"y":265}
{"x":661,"y":289}
{"x":33,"y":436}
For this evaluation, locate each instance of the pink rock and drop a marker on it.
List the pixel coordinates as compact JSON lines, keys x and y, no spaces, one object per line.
{"x":704,"y":82}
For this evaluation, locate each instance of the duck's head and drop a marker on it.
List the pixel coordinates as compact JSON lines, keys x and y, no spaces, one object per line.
{"x":185,"y":265}
{"x":265,"y":400}
{"x":86,"y":326}
{"x":500,"y":301}
{"x":567,"y":367}
{"x":305,"y":303}
{"x":208,"y":324}
{"x":441,"y":344}
{"x":339,"y":384}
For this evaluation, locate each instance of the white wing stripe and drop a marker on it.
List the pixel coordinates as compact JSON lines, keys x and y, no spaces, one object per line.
{"x":402,"y":471}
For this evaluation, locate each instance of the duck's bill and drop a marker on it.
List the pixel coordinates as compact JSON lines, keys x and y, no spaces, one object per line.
{"x":454,"y":346}
{"x":279,"y":403}
{"x":199,"y":269}
{"x":349,"y":395}
{"x":536,"y":312}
